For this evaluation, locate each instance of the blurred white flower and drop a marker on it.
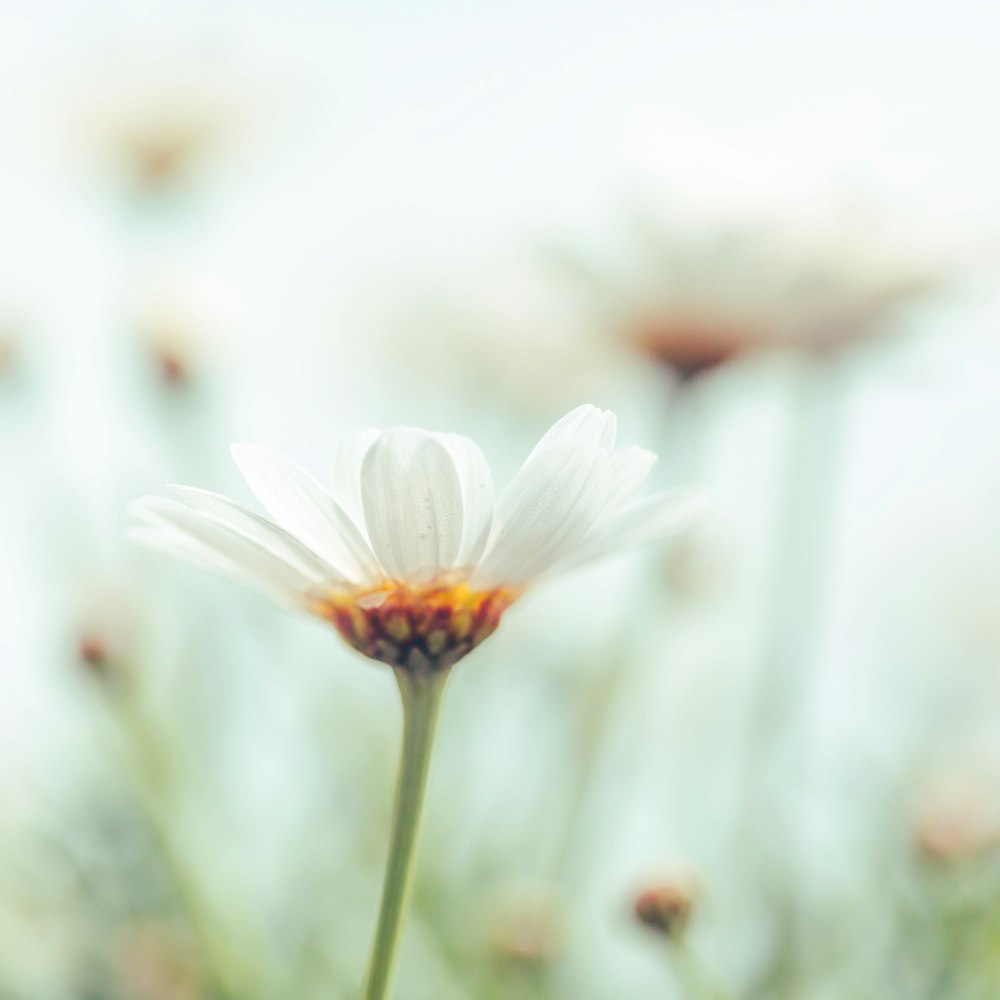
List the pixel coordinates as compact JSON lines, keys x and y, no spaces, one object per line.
{"x":409,"y":557}
{"x":683,"y":283}
{"x":696,"y":285}
{"x":185,"y":323}
{"x":158,"y":128}
{"x":159,"y":115}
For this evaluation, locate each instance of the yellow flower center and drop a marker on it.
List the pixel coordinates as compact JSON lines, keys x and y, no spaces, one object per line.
{"x":418,"y":629}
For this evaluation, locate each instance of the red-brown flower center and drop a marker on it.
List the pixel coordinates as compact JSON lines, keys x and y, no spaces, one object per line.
{"x":692,"y":347}
{"x":418,"y":629}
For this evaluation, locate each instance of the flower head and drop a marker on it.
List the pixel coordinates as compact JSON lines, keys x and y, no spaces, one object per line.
{"x":705,"y":289}
{"x":957,"y":820}
{"x":410,"y":556}
{"x":667,"y":906}
{"x":157,"y":122}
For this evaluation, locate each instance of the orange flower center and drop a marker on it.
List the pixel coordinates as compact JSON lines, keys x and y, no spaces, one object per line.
{"x":418,"y":629}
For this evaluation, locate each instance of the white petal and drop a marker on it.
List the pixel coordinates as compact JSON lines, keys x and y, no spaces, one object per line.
{"x":652,"y":519}
{"x":350,"y":456}
{"x":586,"y":424}
{"x":303,"y":508}
{"x":258,"y":529}
{"x":412,"y":502}
{"x":193,"y":534}
{"x":477,"y":497}
{"x":630,"y":468}
{"x":545,"y":511}
{"x":180,"y":546}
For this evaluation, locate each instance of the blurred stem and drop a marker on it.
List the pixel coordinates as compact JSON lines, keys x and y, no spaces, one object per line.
{"x":694,"y":977}
{"x":421,"y":697}
{"x":685,"y":425}
{"x":805,"y":491}
{"x":777,"y":756}
{"x":228,"y":964}
{"x":605,"y":690}
{"x":806,"y":504}
{"x":531,"y":982}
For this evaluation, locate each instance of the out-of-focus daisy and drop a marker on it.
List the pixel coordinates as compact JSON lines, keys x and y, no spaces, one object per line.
{"x":184,"y":325}
{"x":158,"y":129}
{"x":686,"y":284}
{"x":410,"y":557}
{"x":160,"y":116}
{"x":695,"y":288}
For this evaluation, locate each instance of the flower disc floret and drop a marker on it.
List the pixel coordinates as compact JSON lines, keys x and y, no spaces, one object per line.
{"x":417,"y":629}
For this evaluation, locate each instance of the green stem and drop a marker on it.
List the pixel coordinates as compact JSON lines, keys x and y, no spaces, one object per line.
{"x":694,"y":977}
{"x":421,"y":699}
{"x":153,"y":772}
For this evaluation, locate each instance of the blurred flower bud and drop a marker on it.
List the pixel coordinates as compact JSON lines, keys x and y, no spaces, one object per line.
{"x":93,"y":652}
{"x":107,"y":630}
{"x":8,"y":353}
{"x":102,"y":661}
{"x":957,"y":821}
{"x":170,"y":345}
{"x":160,"y":117}
{"x":161,"y":151}
{"x":156,"y":962}
{"x":666,"y":907}
{"x":172,"y":364}
{"x":158,"y":125}
{"x":182,"y":322}
{"x":526,"y":926}
{"x":16,"y":329}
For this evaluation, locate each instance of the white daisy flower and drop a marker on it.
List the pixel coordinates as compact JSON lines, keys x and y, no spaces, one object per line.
{"x":409,"y":556}
{"x":701,"y":285}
